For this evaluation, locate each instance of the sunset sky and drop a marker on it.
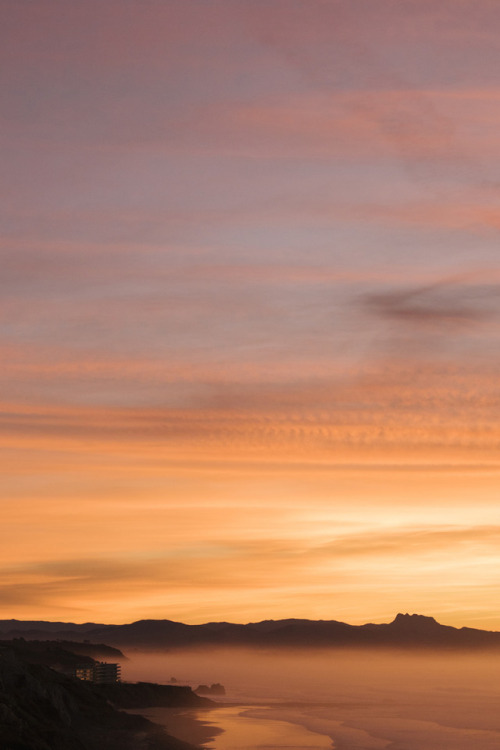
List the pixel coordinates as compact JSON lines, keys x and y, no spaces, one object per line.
{"x":250,"y":310}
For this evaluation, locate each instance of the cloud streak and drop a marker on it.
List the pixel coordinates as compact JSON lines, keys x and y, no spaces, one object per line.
{"x":249,"y":308}
{"x":252,"y":564}
{"x":445,"y":303}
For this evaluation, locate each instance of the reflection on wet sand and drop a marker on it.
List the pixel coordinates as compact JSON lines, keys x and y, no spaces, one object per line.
{"x":238,"y":728}
{"x":187,"y":724}
{"x":247,"y":730}
{"x":303,"y":727}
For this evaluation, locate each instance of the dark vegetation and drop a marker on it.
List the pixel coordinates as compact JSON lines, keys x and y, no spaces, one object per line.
{"x":61,"y":655}
{"x":147,"y":694}
{"x":43,"y":709}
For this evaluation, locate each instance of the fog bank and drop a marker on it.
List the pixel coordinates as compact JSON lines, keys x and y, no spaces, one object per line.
{"x":416,"y":700}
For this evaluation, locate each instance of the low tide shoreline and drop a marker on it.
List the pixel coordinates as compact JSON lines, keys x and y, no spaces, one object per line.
{"x":191,"y":725}
{"x":305,"y":726}
{"x":233,"y":726}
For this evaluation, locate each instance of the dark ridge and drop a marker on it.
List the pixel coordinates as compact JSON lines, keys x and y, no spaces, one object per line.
{"x":94,"y":650}
{"x":147,"y":694}
{"x":41,"y":709}
{"x":405,"y":631}
{"x":47,"y":653}
{"x":63,"y":653}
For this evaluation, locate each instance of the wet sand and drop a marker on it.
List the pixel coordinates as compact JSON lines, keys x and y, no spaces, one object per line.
{"x":322,"y":727}
{"x":187,"y":724}
{"x":371,"y":729}
{"x":248,"y":729}
{"x":239,"y":728}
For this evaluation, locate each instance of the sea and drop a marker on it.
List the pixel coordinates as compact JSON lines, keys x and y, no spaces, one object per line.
{"x":344,"y":700}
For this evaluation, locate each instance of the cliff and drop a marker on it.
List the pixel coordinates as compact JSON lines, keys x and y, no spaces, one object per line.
{"x":41,"y":709}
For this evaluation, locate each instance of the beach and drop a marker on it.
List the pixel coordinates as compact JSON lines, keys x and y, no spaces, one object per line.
{"x":340,"y":726}
{"x":230,"y":727}
{"x":357,"y":701}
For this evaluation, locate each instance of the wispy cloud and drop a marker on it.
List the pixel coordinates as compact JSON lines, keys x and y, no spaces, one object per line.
{"x":448,"y":303}
{"x":273,"y":565}
{"x":412,"y":542}
{"x":249,"y":268}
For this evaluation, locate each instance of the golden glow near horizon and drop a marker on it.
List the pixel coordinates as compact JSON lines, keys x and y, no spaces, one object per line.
{"x":250,"y":311}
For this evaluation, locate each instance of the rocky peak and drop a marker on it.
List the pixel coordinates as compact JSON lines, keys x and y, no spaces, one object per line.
{"x":415,"y":622}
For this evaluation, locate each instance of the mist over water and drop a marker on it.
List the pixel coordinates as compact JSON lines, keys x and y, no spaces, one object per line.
{"x":364,"y":699}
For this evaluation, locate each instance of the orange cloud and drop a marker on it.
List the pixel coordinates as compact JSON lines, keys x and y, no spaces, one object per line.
{"x":249,"y":310}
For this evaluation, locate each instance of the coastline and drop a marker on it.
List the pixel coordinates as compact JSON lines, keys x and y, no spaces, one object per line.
{"x":233,"y":724}
{"x":184,"y":723}
{"x":320,"y":721}
{"x":305,"y":726}
{"x":373,"y":729}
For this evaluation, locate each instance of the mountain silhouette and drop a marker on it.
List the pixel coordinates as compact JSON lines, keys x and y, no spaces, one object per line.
{"x":405,"y":631}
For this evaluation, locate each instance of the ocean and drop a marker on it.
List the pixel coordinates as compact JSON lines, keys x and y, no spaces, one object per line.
{"x":336,"y":699}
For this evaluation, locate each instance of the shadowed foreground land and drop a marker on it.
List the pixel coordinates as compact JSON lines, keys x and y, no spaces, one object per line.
{"x":41,"y":709}
{"x":417,"y":698}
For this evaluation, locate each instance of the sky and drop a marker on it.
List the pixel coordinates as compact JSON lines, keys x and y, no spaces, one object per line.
{"x":249,"y":310}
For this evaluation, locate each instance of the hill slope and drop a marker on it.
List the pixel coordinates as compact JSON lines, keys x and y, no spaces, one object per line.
{"x":41,"y":709}
{"x":408,"y":631}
